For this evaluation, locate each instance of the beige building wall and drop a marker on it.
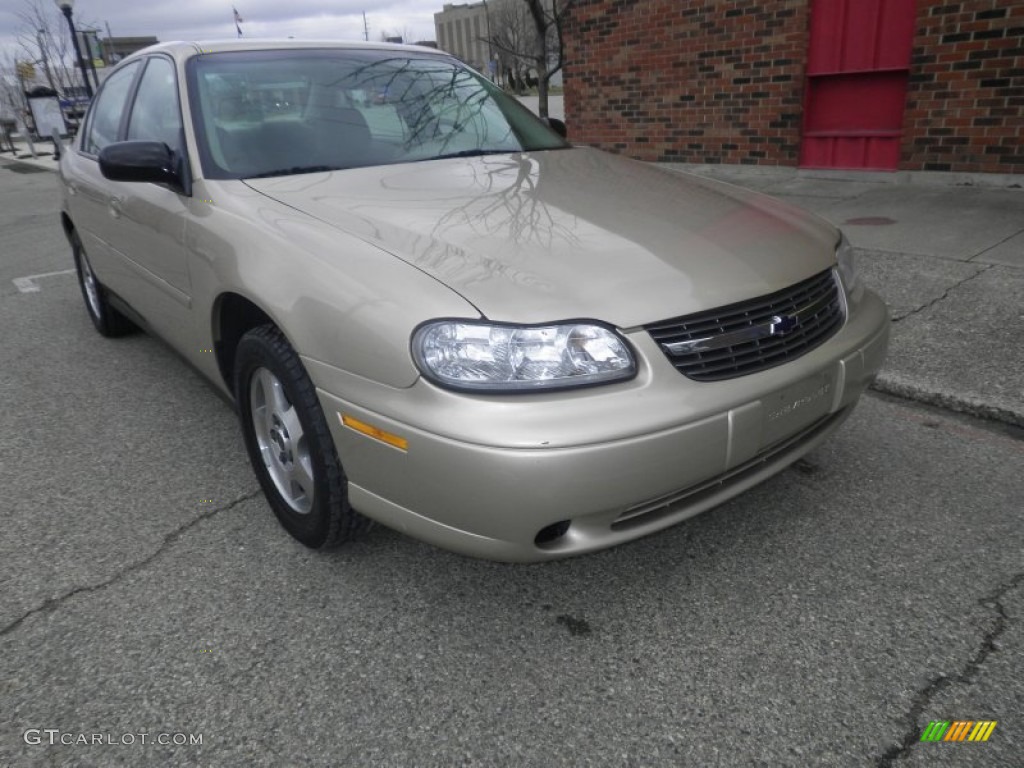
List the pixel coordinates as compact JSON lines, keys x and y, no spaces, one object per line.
{"x":461,"y":31}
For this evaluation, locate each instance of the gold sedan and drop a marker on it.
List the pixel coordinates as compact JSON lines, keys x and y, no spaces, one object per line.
{"x":433,"y":311}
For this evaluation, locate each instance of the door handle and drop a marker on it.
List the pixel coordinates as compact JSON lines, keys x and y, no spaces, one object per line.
{"x":115,"y":204}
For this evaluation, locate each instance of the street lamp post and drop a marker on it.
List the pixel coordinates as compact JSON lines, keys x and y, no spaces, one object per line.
{"x":491,"y":66}
{"x":65,"y":7}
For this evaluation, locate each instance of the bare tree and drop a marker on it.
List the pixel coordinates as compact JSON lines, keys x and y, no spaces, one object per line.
{"x":12,"y":102}
{"x":548,"y":19}
{"x":45,"y":41}
{"x":511,"y":40}
{"x":529,"y":32}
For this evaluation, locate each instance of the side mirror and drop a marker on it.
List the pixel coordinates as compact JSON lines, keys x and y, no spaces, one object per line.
{"x":151,"y":161}
{"x":558,"y":126}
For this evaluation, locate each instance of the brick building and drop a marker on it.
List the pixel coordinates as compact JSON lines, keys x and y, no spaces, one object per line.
{"x":873,"y":84}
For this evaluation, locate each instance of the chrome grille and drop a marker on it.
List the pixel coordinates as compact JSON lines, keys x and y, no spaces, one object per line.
{"x":753,"y":335}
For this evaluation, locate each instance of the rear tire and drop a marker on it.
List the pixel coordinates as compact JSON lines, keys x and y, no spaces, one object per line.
{"x":107,"y":320}
{"x":289,"y":442}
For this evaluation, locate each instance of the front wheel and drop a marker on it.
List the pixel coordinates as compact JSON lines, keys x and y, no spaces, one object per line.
{"x":289,"y":442}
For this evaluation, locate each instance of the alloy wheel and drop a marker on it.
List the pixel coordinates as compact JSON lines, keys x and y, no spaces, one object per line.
{"x":92,"y":288}
{"x":282,"y":442}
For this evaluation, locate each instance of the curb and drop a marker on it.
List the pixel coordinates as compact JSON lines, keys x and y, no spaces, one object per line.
{"x":894,"y":385}
{"x":1011,"y":181}
{"x":44,"y":153}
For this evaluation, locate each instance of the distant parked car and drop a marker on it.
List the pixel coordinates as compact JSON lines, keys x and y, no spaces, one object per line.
{"x":443,"y":316}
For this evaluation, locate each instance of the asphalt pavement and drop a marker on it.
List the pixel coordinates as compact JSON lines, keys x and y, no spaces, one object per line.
{"x":824,"y":618}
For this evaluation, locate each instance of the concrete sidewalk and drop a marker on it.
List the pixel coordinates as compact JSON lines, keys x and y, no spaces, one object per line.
{"x":43,"y":158}
{"x":947,"y":256}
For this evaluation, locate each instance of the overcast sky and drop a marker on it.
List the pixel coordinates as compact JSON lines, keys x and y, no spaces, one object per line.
{"x":212,"y":19}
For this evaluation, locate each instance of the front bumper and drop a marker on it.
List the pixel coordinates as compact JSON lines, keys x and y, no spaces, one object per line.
{"x":484,"y":476}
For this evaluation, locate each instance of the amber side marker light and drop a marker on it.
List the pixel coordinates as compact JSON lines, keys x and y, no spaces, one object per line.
{"x":375,"y":432}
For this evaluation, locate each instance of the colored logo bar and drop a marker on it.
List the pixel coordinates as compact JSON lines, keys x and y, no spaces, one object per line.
{"x":959,"y":730}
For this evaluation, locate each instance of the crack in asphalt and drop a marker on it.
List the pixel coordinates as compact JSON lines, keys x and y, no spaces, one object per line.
{"x":945,"y":294}
{"x":1006,"y":239}
{"x":989,"y":645}
{"x":52,"y":603}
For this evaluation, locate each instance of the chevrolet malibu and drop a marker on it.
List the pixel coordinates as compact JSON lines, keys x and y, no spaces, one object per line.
{"x":431,"y":310}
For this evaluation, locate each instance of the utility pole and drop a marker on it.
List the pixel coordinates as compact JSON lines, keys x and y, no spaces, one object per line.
{"x":92,"y":68}
{"x":86,"y":43}
{"x":366,"y":28}
{"x":110,"y":46}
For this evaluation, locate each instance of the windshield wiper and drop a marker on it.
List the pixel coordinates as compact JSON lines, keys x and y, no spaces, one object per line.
{"x":294,"y":170}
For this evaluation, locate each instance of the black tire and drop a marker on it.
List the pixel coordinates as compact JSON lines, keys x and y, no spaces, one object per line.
{"x":329,"y":519}
{"x":107,"y":320}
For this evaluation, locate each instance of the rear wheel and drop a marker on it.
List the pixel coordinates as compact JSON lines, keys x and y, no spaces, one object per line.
{"x":108,"y":321}
{"x":289,"y":442}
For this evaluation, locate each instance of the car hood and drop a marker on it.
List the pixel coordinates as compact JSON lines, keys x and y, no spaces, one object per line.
{"x":569,"y":234}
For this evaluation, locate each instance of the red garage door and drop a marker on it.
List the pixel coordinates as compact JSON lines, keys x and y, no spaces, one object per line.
{"x":857,"y":67}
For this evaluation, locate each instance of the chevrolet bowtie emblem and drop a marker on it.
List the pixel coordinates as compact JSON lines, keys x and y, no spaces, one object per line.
{"x":782,"y":324}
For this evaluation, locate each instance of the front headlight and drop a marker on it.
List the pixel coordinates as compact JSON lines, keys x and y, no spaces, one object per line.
{"x":848,"y":269}
{"x":470,"y":355}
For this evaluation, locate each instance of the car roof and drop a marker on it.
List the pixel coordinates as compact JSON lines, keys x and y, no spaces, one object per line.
{"x":182,"y":50}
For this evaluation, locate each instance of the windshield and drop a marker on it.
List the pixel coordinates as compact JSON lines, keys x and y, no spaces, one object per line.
{"x":273,"y":113}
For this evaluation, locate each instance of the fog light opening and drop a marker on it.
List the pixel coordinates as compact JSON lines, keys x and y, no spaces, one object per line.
{"x":550,"y":534}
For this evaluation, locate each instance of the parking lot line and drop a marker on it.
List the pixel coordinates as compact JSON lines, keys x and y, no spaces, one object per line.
{"x":28,"y":284}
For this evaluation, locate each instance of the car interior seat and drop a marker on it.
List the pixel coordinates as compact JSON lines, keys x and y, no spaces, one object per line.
{"x":340,"y":135}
